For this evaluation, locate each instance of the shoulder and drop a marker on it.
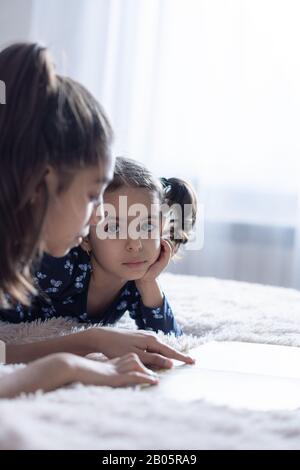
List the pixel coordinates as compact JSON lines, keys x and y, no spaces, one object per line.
{"x":77,"y":256}
{"x":55,"y":274}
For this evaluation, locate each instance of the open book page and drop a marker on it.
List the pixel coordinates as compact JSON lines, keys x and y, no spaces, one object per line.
{"x":238,"y":375}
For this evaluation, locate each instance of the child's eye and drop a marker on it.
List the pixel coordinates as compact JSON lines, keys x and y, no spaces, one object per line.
{"x":147,"y":227}
{"x":112,"y":228}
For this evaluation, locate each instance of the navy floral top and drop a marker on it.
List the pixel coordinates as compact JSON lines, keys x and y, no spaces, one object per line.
{"x":63,"y":284}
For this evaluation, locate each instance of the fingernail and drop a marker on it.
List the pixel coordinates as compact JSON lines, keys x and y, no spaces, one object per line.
{"x":154,"y":374}
{"x":192,"y":360}
{"x":154,"y":380}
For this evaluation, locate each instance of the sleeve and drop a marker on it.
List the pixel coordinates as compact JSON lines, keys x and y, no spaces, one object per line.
{"x":52,"y":278}
{"x":154,"y":319}
{"x":39,"y":309}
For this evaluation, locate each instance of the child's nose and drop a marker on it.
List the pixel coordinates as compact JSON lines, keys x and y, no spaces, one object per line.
{"x":134,"y":245}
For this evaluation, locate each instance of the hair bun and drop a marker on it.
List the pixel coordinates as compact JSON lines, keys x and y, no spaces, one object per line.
{"x":165,"y":183}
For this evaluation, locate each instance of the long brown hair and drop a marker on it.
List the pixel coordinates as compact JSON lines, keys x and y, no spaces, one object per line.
{"x":48,"y":120}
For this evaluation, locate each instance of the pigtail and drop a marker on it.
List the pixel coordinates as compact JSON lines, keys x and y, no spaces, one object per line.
{"x":181,"y":199}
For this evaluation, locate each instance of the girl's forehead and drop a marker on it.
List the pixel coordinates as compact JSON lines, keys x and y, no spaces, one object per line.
{"x":128,"y":203}
{"x":130,"y":196}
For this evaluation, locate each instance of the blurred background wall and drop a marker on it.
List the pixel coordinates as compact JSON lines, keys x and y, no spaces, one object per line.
{"x":208,"y":90}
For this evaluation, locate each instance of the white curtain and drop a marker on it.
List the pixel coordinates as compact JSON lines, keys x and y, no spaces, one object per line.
{"x":208,"y":90}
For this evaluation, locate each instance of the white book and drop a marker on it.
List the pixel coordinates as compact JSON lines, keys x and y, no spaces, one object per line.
{"x":238,"y":375}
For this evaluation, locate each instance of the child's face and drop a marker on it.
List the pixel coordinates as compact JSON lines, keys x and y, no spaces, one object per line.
{"x":71,"y":212}
{"x":129,"y":258}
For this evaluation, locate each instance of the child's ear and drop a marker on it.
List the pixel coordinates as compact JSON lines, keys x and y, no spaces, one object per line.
{"x":86,"y":246}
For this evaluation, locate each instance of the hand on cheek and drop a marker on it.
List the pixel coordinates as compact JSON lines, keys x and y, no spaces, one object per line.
{"x":163,"y":259}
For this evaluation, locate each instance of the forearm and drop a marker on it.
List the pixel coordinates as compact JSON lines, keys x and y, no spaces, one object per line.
{"x":151,"y":293}
{"x":77,"y":343}
{"x":154,"y":311}
{"x":45,"y":374}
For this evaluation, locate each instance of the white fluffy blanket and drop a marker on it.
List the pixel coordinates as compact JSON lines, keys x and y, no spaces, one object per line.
{"x":81,"y":417}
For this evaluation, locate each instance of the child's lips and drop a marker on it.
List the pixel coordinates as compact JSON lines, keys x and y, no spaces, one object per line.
{"x":134,"y":264}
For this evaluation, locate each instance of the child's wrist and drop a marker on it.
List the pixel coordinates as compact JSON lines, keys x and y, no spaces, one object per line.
{"x":146,"y":283}
{"x":151,"y":293}
{"x":98,"y":339}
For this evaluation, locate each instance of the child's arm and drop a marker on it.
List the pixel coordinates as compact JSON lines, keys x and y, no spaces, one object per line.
{"x":113,"y":342}
{"x":152,"y":311}
{"x":151,"y":294}
{"x":58,"y":370}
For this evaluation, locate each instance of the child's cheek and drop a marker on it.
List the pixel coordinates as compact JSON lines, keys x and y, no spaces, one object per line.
{"x":156,"y":249}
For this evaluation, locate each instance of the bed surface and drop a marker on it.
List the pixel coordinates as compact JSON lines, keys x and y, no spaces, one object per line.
{"x":80,"y":417}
